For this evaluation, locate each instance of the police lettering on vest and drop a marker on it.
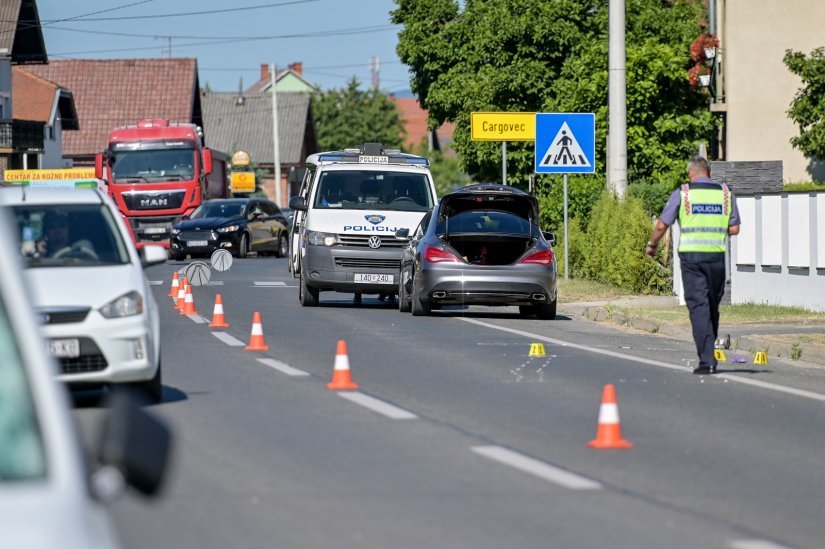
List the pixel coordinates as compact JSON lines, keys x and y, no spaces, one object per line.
{"x":704,"y":217}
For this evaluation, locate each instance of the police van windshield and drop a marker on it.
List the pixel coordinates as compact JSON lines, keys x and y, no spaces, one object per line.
{"x":371,"y":190}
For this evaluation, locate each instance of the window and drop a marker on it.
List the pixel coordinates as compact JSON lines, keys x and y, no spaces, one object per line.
{"x":370,"y":190}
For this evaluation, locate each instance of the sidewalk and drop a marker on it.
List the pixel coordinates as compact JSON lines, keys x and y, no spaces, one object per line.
{"x":786,"y":340}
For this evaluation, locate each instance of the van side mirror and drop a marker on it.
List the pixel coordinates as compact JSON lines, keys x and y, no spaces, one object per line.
{"x":298,"y":203}
{"x":402,"y":234}
{"x":296,"y":175}
{"x":550,"y":238}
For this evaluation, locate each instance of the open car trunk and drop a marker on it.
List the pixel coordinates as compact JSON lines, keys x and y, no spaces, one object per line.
{"x":486,"y":249}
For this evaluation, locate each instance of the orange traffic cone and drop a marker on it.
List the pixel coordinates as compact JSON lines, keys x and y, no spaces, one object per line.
{"x":609,"y":433}
{"x":341,"y":380}
{"x":218,"y":321}
{"x":256,"y":339}
{"x":173,"y":291}
{"x":181,"y":294}
{"x":188,"y":302}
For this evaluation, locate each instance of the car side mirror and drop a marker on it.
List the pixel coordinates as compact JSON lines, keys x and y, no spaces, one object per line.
{"x":402,"y":234}
{"x":134,"y":443}
{"x":550,"y":238}
{"x":298,"y":203}
{"x":152,"y":254}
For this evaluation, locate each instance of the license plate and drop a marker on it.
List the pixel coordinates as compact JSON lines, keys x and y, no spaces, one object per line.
{"x":366,"y":159}
{"x":154,"y":230}
{"x":64,"y":348}
{"x":196,"y":243}
{"x":374,"y":279}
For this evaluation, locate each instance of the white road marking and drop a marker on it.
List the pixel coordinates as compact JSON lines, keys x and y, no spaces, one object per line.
{"x":269,"y":283}
{"x":215,"y":283}
{"x":228,"y":339}
{"x":537,"y":468}
{"x":383,"y":408}
{"x":198,"y":319}
{"x":754,"y":544}
{"x":156,"y":282}
{"x":743,"y":380}
{"x":282,"y":367}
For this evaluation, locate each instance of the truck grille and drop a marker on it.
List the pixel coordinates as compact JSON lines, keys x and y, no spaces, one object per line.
{"x":367,"y":263}
{"x":361,"y":241}
{"x":153,"y":200}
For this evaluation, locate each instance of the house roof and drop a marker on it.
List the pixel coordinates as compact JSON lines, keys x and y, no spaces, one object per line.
{"x":295,"y":70}
{"x":415,"y":122}
{"x":34,"y":99}
{"x":20,"y":34}
{"x":115,"y":92}
{"x":231,"y":125}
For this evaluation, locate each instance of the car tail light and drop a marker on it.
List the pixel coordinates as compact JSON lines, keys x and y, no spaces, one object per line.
{"x":543,"y":257}
{"x":437,"y":255}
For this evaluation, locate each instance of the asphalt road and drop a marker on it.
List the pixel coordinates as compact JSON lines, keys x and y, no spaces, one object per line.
{"x":458,"y":439}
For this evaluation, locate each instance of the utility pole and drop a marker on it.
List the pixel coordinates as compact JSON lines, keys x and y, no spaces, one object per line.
{"x":375,"y":70}
{"x":276,"y":148}
{"x":617,"y":145}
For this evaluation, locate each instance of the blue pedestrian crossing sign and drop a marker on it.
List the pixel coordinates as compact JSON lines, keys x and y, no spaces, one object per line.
{"x":565,"y":143}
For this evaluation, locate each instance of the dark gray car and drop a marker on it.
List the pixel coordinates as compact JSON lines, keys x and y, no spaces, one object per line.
{"x":481,"y":245}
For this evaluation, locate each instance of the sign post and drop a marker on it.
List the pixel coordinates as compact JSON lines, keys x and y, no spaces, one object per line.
{"x":566,"y":143}
{"x":504,"y":127}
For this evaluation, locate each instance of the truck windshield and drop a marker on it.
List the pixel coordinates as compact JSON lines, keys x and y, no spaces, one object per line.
{"x":371,"y":190}
{"x":153,"y":165}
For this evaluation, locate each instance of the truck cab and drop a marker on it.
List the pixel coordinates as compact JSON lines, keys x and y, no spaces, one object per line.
{"x":350,"y":205}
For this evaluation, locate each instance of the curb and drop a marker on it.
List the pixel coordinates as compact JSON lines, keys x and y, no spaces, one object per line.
{"x":812,"y":354}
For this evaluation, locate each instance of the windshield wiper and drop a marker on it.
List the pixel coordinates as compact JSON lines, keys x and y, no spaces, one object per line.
{"x":174,"y":177}
{"x":131,"y":178}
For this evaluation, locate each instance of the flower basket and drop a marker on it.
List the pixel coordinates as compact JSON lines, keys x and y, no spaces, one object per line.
{"x":704,"y":48}
{"x":699,"y":75}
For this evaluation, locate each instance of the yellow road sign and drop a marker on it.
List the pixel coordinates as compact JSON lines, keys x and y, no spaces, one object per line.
{"x":243,"y":182}
{"x":503,"y":126}
{"x":49,"y":175}
{"x":240,"y":158}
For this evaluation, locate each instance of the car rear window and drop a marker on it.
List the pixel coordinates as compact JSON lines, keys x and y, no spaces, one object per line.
{"x":485,"y":221}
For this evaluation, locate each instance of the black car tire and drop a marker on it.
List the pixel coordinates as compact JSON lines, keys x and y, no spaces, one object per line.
{"x":176,"y":256}
{"x":283,"y":246}
{"x":418,"y":307}
{"x":243,"y":246}
{"x":153,"y":388}
{"x":546,"y":311}
{"x":404,"y":304}
{"x":306,"y":295}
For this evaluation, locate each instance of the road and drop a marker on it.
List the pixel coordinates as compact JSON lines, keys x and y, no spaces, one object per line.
{"x":458,"y":439}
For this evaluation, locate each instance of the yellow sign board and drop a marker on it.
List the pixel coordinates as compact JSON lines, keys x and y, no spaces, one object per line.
{"x":503,"y":126}
{"x":240,"y":158}
{"x":49,"y":175}
{"x":243,"y":182}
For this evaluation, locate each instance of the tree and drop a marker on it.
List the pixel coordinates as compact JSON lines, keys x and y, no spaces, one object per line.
{"x":551,"y":56}
{"x":808,"y":106}
{"x":350,"y":116}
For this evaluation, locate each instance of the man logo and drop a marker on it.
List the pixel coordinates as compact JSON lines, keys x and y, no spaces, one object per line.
{"x":374,"y":242}
{"x":375,"y":219}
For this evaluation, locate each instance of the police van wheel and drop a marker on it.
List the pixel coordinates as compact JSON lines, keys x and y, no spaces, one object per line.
{"x":307,"y":296}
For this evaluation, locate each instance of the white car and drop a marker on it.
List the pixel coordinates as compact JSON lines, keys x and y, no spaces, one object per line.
{"x":88,"y":286}
{"x":48,"y":498}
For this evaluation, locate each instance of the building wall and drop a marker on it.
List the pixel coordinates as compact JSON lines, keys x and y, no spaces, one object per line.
{"x":759,"y":87}
{"x":52,"y":156}
{"x":5,"y":88}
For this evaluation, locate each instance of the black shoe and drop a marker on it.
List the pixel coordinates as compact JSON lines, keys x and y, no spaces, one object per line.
{"x":704,"y":369}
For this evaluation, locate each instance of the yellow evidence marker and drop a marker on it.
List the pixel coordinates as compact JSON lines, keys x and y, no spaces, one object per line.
{"x":537,"y":349}
{"x":760,"y":358}
{"x":719,"y":355}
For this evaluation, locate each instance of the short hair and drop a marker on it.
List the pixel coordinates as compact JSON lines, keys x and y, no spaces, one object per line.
{"x":699,"y":165}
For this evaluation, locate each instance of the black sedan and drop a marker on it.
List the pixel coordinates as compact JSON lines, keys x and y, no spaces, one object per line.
{"x":240,"y":225}
{"x":481,"y":245}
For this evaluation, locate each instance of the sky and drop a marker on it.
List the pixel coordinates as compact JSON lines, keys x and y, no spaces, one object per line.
{"x":334,"y":39}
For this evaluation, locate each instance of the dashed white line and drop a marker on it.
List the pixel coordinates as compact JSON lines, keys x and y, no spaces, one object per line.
{"x":384,"y":408}
{"x":743,"y":380}
{"x":215,"y":283}
{"x":282,"y":367}
{"x":537,"y":468}
{"x":269,"y":283}
{"x":754,"y":544}
{"x":156,"y":282}
{"x":198,"y":319}
{"x":228,"y":339}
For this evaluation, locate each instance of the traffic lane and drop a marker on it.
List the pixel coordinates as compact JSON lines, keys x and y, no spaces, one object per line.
{"x":472,"y":390}
{"x":261,"y":459}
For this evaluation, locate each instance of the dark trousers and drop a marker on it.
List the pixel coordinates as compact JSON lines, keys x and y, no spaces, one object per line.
{"x":704,"y":285}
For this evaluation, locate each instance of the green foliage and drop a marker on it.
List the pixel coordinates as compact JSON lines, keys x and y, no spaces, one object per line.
{"x":582,"y":194}
{"x":803,"y":187}
{"x":445,"y":168}
{"x":808,"y":106}
{"x":350,"y":116}
{"x":611,"y":249}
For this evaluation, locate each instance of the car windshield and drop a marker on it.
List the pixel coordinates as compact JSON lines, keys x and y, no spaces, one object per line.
{"x":373,"y":190}
{"x":153,"y":165}
{"x":485,"y":221}
{"x":22,"y":456}
{"x":69,"y":235}
{"x":219,"y":209}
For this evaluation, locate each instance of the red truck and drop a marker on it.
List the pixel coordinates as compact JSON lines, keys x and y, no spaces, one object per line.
{"x":157,"y":172}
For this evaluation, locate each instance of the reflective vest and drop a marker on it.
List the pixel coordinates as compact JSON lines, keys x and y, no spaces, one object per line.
{"x":704,"y":216}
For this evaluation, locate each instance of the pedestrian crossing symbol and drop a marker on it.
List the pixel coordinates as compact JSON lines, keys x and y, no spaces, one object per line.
{"x":565,"y":143}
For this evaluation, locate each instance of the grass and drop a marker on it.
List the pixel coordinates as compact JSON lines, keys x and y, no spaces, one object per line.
{"x":806,"y":186}
{"x":731,"y":314}
{"x":576,"y":289}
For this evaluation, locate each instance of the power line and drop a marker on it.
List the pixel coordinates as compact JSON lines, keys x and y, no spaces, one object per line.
{"x":31,"y":23}
{"x":306,"y":67}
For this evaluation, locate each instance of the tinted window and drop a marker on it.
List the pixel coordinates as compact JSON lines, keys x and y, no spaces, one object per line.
{"x":485,"y":221}
{"x":369,"y":190}
{"x":219,"y":209}
{"x":269,"y":208}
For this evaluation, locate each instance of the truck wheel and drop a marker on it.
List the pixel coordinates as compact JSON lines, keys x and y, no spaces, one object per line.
{"x":306,"y":295}
{"x":403,"y":296}
{"x":418,"y":307}
{"x":243,"y":247}
{"x":283,"y":246}
{"x":153,"y":388}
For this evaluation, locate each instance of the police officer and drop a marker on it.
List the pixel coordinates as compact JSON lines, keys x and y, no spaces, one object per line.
{"x":707,"y":214}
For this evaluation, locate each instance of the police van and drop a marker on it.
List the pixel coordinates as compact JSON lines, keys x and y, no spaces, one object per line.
{"x":350,"y":205}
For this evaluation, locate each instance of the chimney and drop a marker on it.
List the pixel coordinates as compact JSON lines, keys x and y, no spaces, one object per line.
{"x":297,"y":68}
{"x":264,"y":71}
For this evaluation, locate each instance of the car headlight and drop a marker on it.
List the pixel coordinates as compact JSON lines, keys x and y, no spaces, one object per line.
{"x":317,"y":238}
{"x":126,"y":305}
{"x":229,"y":229}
